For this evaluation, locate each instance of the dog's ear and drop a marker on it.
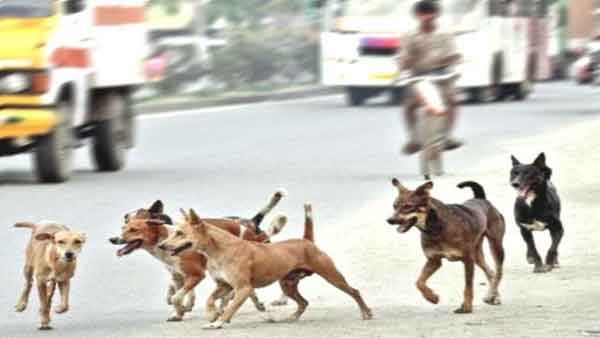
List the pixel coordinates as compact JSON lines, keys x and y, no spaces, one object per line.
{"x":514,"y":160}
{"x":425,"y":189}
{"x":155,"y":222}
{"x":44,"y":236}
{"x":540,"y":161}
{"x":401,"y":189}
{"x":193,"y":218}
{"x":157,"y":207}
{"x":82,"y":236}
{"x":186,"y":217}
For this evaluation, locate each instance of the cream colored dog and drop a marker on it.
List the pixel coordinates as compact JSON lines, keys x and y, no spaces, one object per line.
{"x":51,"y":256}
{"x":242,"y":266}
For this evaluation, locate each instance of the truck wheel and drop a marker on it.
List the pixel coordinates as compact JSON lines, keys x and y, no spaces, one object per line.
{"x":112,"y":134}
{"x":522,"y":90}
{"x":355,"y":96}
{"x":54,"y":152}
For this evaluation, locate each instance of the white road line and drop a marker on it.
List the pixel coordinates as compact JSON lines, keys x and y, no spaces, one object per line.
{"x":200,"y":111}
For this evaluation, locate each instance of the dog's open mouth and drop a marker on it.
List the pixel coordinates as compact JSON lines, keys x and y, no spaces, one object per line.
{"x":523,"y":191}
{"x":174,"y":251}
{"x":130,"y":247}
{"x":405,"y":224}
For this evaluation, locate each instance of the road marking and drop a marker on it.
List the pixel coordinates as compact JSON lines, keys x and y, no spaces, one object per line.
{"x":201,"y":111}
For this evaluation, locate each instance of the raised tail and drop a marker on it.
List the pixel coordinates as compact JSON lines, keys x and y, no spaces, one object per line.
{"x":476,"y":187}
{"x":278,"y":223}
{"x":275,"y":199}
{"x":309,"y":233}
{"x":27,"y":225}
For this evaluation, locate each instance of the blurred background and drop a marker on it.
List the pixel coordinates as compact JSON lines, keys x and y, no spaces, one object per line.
{"x":212,"y":47}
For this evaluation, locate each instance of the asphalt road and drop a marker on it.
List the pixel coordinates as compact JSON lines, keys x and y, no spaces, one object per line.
{"x":227,"y":161}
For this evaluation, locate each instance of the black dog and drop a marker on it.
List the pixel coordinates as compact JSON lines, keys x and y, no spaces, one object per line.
{"x":537,"y":208}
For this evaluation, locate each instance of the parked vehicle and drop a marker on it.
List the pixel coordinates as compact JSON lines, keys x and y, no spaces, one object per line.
{"x":67,"y":69}
{"x":587,"y":68}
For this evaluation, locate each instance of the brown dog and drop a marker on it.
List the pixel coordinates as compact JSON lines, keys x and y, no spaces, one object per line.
{"x":454,"y":232}
{"x":242,"y":266}
{"x":146,"y":228}
{"x":51,"y":257}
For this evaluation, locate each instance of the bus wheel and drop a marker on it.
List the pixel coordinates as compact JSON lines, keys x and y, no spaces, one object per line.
{"x":54,"y":152}
{"x":112,"y":133}
{"x":522,"y":90}
{"x":355,"y":96}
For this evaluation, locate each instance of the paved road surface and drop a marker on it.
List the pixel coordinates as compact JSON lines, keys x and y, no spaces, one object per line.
{"x":227,"y":161}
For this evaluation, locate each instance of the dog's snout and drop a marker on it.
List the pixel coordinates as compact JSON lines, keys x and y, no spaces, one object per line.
{"x":69,"y":255}
{"x":515,"y":185}
{"x":162,"y":247}
{"x":392,"y":221}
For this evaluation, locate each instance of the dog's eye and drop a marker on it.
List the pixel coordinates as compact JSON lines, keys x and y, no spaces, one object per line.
{"x":77,"y":242}
{"x":179,"y":233}
{"x":62,"y":242}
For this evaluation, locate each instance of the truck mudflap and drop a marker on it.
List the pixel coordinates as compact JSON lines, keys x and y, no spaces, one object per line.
{"x":26,"y":122}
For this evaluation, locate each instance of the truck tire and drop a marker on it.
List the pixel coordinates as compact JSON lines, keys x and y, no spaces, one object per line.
{"x":112,"y":132}
{"x":355,"y":96}
{"x":53,"y":154}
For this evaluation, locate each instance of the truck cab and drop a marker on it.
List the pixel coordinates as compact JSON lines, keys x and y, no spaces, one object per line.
{"x":67,"y":71}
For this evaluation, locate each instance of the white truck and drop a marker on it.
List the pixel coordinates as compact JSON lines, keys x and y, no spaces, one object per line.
{"x":67,"y":70}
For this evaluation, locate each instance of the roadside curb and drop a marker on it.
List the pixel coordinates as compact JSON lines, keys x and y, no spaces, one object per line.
{"x":254,"y":98}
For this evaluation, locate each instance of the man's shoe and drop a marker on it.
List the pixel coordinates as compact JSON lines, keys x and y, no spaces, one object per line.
{"x":411,"y":148}
{"x":452,"y":144}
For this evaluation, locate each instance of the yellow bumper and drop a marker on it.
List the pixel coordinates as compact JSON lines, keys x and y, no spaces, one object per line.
{"x":24,"y":122}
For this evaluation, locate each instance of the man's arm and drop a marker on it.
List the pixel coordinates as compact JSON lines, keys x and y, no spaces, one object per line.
{"x":453,"y":56}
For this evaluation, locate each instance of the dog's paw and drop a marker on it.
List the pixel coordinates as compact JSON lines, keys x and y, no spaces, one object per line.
{"x":20,"y":307}
{"x":531,"y":259}
{"x":175,"y":317}
{"x":213,"y":326}
{"x":45,"y":327}
{"x":542,"y":268}
{"x":280,"y":302}
{"x":367,"y":314}
{"x":188,"y":307}
{"x":62,"y":309}
{"x":211,"y":315}
{"x":432,"y":298}
{"x":492,"y":300}
{"x":463,"y":310}
{"x":260,"y":307}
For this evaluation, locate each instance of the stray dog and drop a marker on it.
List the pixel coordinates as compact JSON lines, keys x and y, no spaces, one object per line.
{"x":537,"y":208}
{"x":454,"y":232}
{"x":242,"y":266}
{"x":146,"y":228}
{"x":51,"y":257}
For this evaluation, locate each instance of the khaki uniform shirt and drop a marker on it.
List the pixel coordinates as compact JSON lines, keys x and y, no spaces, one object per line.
{"x":426,"y":50}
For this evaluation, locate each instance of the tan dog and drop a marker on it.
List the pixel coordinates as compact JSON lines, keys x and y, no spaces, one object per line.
{"x":146,"y":228}
{"x":51,"y":257}
{"x":242,"y":266}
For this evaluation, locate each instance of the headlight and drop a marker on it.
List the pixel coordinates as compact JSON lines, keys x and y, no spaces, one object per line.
{"x":14,"y":83}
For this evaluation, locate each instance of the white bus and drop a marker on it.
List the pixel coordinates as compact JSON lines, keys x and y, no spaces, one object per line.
{"x":498,"y":40}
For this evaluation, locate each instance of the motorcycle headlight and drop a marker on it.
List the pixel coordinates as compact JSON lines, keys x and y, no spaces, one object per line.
{"x":14,"y":83}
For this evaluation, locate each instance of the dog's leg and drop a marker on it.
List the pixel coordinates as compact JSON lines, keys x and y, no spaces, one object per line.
{"x":190,"y":301}
{"x":189,"y":284}
{"x":323,"y":266}
{"x":241,"y":294}
{"x":42,"y":287}
{"x":257,"y":303}
{"x":467,"y":305}
{"x":210,"y":312}
{"x":492,"y":297}
{"x":176,"y":284}
{"x":281,"y":301}
{"x":533,"y":257}
{"x":175,"y":300}
{"x":225,"y":301}
{"x":432,"y":265}
{"x":497,"y":250}
{"x":24,"y":298}
{"x":290,"y":289}
{"x":63,"y":287}
{"x":556,"y":232}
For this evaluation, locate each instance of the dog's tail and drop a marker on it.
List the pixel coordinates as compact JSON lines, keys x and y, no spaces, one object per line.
{"x":27,"y":225}
{"x":275,"y":199}
{"x":309,"y":233}
{"x":476,"y":187}
{"x":278,"y":223}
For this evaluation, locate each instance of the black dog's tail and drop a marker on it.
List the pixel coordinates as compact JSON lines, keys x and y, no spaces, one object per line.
{"x":275,"y":199}
{"x":476,"y":187}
